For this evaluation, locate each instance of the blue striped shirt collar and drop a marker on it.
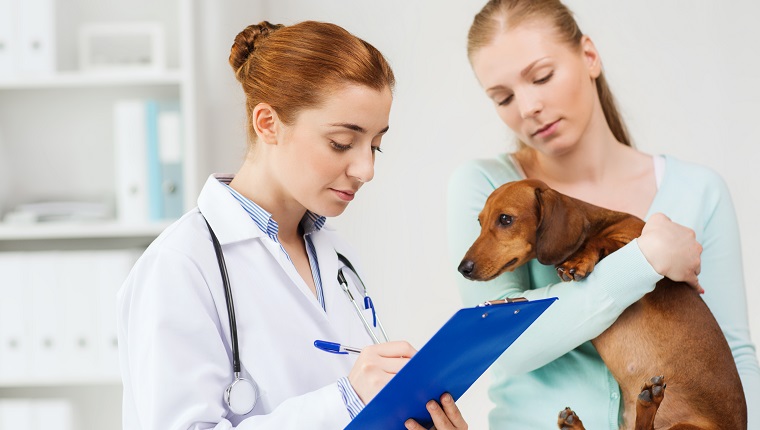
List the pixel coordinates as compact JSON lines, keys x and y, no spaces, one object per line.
{"x":310,"y":222}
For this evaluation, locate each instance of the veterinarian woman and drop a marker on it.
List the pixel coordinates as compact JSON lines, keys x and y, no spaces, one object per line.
{"x":318,"y":102}
{"x":545,"y":80}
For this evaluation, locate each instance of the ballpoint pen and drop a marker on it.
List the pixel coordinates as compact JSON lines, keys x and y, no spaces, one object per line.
{"x":336,"y":348}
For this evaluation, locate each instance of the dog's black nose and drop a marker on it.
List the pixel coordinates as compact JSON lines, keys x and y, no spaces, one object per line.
{"x":466,"y":267}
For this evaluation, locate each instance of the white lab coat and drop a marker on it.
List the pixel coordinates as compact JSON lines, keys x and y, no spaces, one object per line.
{"x":174,"y":334}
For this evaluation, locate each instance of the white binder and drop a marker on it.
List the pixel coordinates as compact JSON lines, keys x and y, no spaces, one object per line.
{"x":8,"y":39}
{"x":36,"y":37}
{"x":51,"y":414}
{"x":36,"y":414}
{"x":14,"y":322}
{"x":131,"y":161}
{"x":46,"y":312}
{"x":16,"y":414}
{"x":113,"y":268}
{"x":79,"y":342}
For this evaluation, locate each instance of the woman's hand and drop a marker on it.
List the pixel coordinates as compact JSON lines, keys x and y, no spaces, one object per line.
{"x":376,"y":365}
{"x":447,"y":417}
{"x":672,"y":250}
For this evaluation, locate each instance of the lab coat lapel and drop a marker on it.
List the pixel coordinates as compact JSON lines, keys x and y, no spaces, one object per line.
{"x":231,"y":223}
{"x":229,"y":220}
{"x":295,"y":277}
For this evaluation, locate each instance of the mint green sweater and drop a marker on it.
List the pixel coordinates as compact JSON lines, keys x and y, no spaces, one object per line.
{"x":553,"y":364}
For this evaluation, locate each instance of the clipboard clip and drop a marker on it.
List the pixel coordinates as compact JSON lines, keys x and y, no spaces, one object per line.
{"x":502,"y":301}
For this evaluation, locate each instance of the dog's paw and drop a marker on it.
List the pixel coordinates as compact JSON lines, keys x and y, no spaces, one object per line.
{"x":575,"y":270}
{"x":567,"y":420}
{"x":653,"y":391}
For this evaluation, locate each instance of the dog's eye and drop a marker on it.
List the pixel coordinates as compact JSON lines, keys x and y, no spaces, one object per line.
{"x":505,"y":219}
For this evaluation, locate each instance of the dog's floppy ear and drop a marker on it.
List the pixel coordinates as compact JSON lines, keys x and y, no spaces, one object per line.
{"x":562,"y":227}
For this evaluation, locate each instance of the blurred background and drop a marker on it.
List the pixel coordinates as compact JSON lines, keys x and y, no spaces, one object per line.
{"x":112,"y":114}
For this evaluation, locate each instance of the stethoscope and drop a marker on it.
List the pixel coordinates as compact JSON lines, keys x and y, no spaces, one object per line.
{"x":241,"y":395}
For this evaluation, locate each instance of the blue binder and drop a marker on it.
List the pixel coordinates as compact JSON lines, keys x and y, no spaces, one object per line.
{"x":451,"y":361}
{"x":164,"y":160}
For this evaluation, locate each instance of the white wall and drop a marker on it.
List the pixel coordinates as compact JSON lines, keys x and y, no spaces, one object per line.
{"x":682,"y":70}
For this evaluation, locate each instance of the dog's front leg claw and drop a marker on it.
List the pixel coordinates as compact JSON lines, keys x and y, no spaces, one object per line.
{"x":563,"y":274}
{"x":653,"y":392}
{"x":569,"y":421}
{"x":649,"y":401}
{"x":573,"y":271}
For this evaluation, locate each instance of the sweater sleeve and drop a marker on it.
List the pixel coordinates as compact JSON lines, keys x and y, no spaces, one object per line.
{"x":723,"y":281}
{"x":584,"y":309}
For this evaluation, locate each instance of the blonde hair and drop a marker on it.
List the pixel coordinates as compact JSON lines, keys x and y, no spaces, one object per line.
{"x":498,"y":15}
{"x":294,"y":67}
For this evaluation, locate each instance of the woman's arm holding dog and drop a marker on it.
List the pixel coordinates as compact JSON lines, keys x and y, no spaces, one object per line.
{"x":584,"y":309}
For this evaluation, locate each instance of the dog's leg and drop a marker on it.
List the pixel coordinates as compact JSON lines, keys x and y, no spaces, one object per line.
{"x":609,"y":233}
{"x":569,"y":421}
{"x":579,"y":265}
{"x":648,"y":402}
{"x":582,"y":262}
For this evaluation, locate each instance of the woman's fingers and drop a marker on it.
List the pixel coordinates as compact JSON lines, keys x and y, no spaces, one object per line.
{"x":376,"y":365}
{"x":393,"y":349}
{"x":446,"y":415}
{"x":411,"y":424}
{"x":389,"y":357}
{"x":672,"y":250}
{"x":452,"y":411}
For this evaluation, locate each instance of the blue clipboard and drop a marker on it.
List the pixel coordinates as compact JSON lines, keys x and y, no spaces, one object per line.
{"x":451,"y":361}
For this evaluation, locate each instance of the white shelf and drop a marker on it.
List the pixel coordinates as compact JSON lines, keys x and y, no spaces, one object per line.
{"x":62,"y":124}
{"x":61,"y":382}
{"x":79,"y":230}
{"x":94,"y":79}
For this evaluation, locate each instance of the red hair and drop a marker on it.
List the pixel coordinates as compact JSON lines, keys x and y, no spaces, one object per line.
{"x":294,"y":67}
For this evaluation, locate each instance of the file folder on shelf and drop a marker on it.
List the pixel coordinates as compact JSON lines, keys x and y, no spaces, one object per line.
{"x":8,"y":39}
{"x":46,"y":314}
{"x":170,"y":155}
{"x":450,"y":362}
{"x":14,"y":324}
{"x":36,"y":37}
{"x":78,"y":343}
{"x":164,"y":160}
{"x":131,"y":161}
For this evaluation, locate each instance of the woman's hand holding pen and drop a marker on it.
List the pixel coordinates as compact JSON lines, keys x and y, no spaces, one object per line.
{"x":376,"y":365}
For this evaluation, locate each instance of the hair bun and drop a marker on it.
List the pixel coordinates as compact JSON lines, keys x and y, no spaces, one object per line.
{"x":248,"y":40}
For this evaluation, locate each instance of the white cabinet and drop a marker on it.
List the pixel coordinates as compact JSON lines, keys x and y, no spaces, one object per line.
{"x":57,"y":145}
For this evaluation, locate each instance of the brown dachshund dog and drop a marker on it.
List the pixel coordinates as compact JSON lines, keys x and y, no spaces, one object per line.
{"x":655,"y":336}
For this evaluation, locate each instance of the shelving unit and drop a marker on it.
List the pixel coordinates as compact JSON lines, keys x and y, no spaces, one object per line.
{"x":93,"y":79}
{"x":56,"y":143}
{"x":63,"y":231}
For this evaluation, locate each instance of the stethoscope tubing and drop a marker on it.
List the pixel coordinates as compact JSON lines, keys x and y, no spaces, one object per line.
{"x":248,"y":389}
{"x":241,"y":395}
{"x":230,"y":302}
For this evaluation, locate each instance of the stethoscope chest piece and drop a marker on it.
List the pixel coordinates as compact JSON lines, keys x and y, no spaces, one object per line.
{"x":241,"y":396}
